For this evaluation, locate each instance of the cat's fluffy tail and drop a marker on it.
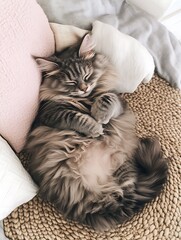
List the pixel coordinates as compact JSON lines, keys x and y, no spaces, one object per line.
{"x":150,"y":169}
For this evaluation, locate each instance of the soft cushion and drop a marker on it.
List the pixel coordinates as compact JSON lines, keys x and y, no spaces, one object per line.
{"x":16,"y":186}
{"x":66,"y":35}
{"x":126,"y":54}
{"x":24,"y":34}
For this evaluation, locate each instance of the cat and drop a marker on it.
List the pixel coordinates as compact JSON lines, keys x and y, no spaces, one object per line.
{"x":84,"y":153}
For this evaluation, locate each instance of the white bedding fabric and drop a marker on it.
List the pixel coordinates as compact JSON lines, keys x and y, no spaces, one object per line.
{"x":153,"y":7}
{"x":172,"y":19}
{"x":168,"y":12}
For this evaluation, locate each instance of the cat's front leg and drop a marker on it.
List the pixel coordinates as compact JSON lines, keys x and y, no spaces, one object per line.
{"x":105,"y":107}
{"x":55,"y":115}
{"x":87,"y":125}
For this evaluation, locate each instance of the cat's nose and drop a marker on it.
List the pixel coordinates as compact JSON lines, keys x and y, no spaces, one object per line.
{"x":83,"y":87}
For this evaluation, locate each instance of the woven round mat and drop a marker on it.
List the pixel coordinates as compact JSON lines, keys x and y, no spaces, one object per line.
{"x":158,"y":110}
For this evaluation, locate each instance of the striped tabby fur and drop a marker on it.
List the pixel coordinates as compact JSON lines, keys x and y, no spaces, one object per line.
{"x":84,"y":153}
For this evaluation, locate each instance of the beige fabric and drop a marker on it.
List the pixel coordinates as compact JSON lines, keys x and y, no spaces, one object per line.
{"x":66,"y":35}
{"x":158,"y":110}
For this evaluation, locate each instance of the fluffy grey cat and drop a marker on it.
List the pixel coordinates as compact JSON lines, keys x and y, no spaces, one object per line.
{"x":84,"y":153}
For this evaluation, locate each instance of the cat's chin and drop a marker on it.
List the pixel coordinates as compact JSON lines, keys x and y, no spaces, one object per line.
{"x":80,"y":94}
{"x":85,"y":94}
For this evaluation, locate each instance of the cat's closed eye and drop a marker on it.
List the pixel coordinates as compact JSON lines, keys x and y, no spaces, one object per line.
{"x":87,"y":77}
{"x":71,"y":83}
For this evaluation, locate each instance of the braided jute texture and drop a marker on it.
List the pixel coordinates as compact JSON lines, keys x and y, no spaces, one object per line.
{"x":158,"y":110}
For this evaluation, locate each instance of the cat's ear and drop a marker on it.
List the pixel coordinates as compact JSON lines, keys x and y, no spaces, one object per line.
{"x":46,"y":65}
{"x":87,"y":46}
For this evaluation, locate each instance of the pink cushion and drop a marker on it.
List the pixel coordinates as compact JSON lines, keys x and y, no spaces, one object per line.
{"x":24,"y":34}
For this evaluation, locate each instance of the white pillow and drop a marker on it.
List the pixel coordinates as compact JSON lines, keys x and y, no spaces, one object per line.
{"x":16,"y":185}
{"x":132,"y":61}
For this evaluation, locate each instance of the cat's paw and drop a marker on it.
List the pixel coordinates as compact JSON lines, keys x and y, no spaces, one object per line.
{"x":102,"y":109}
{"x":102,"y":116}
{"x":96,"y":130}
{"x":106,"y":106}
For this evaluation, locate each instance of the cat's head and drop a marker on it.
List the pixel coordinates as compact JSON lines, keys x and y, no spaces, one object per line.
{"x":74,"y":72}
